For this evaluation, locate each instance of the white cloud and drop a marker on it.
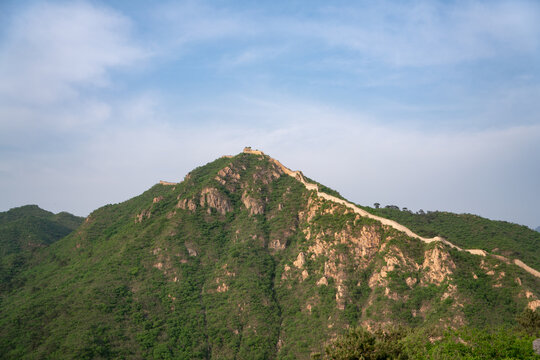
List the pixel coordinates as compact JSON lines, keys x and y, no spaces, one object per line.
{"x":253,"y":55}
{"x":417,"y":33}
{"x":52,"y":55}
{"x":432,"y":33}
{"x":50,"y":50}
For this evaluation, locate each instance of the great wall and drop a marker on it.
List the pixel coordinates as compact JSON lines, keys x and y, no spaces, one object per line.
{"x":313,"y":187}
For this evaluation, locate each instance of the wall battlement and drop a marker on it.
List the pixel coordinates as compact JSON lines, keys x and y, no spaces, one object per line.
{"x":167,"y":183}
{"x":248,"y":150}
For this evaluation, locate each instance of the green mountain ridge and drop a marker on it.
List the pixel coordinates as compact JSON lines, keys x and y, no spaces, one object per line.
{"x":471,"y":231}
{"x":25,"y":229}
{"x":242,"y":261}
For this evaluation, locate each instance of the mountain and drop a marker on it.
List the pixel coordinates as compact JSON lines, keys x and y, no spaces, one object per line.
{"x":472,"y":231}
{"x":247,"y":259}
{"x":538,"y":229}
{"x":26,"y":229}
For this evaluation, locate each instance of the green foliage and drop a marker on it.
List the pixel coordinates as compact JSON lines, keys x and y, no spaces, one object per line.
{"x":362,"y":344}
{"x":28,"y":227}
{"x":529,"y":321}
{"x":471,"y":343}
{"x":24,"y":231}
{"x":466,"y":343}
{"x":325,"y":189}
{"x":482,"y":294}
{"x":472,"y":232}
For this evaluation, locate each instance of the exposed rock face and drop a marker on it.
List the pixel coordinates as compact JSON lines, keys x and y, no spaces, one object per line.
{"x":363,"y":245}
{"x":285,"y":273}
{"x":222,"y":288}
{"x":191,"y":250}
{"x":228,"y":177}
{"x":437,"y":266}
{"x":300,"y":260}
{"x":157,"y":199}
{"x":533,"y":305}
{"x":140,"y":217}
{"x":266,"y":177}
{"x":277,"y":244}
{"x":322,"y":281}
{"x":536,"y":343}
{"x":393,"y":259}
{"x":255,"y":206}
{"x":216,"y":200}
{"x":186,"y":204}
{"x":410,"y":281}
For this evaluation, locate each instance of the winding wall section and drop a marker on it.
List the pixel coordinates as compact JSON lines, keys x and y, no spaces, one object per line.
{"x":300,"y":177}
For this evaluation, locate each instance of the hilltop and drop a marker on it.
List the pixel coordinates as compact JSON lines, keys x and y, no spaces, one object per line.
{"x":25,"y":229}
{"x":248,"y":259}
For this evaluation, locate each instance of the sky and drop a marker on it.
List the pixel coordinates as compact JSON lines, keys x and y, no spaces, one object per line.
{"x":431,"y":105}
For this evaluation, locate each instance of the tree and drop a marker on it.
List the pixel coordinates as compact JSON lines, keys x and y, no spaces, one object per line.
{"x":362,"y":344}
{"x":530,"y":322}
{"x":377,"y":205}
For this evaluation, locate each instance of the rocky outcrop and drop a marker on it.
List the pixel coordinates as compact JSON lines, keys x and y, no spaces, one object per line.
{"x":533,"y":305}
{"x":300,"y":260}
{"x":222,"y":288}
{"x":216,"y":200}
{"x":186,"y":204}
{"x":536,"y":343}
{"x":393,"y":260}
{"x":255,"y":206}
{"x":437,"y":266}
{"x":322,"y":281}
{"x":191,"y":250}
{"x":277,"y":244}
{"x":140,"y":217}
{"x":227,"y":177}
{"x":267,"y":176}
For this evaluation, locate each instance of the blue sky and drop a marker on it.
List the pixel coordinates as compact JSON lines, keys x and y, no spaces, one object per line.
{"x":422,"y":104}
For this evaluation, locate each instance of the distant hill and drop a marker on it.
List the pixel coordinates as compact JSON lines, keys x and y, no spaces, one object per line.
{"x":246,"y":259}
{"x":25,"y":229}
{"x":538,"y":229}
{"x":472,"y":231}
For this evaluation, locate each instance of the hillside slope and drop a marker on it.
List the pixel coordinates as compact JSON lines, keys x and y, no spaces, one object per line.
{"x":243,"y":261}
{"x":23,"y":231}
{"x":500,"y":238}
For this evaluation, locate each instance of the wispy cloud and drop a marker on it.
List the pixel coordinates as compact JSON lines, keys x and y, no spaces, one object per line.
{"x":50,"y":50}
{"x":421,"y":33}
{"x":416,"y":33}
{"x":253,"y":55}
{"x":358,"y":97}
{"x":53,"y":59}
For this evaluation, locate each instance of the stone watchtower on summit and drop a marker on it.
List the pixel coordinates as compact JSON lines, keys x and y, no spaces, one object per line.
{"x":248,"y":150}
